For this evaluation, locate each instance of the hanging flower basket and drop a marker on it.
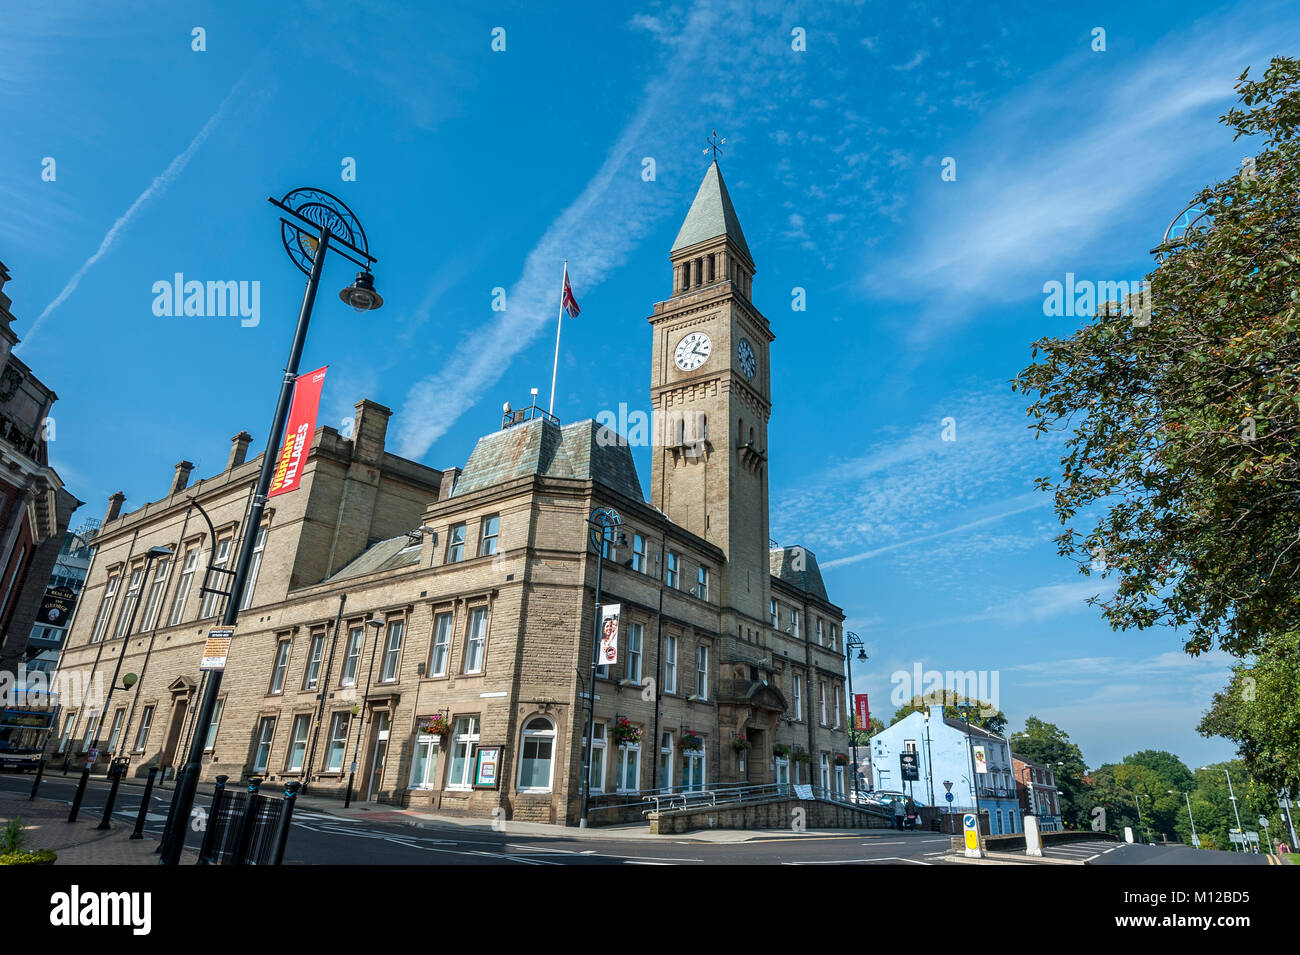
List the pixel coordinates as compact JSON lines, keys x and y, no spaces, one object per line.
{"x":740,"y":744}
{"x":781,"y":751}
{"x":801,"y":756}
{"x":692,"y":742}
{"x":625,"y":734}
{"x":437,"y":725}
{"x":841,"y":759}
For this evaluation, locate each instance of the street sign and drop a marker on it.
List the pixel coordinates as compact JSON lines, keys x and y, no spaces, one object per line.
{"x":217,"y":649}
{"x":909,"y":766}
{"x":1283,"y":800}
{"x":1263,"y":822}
{"x":948,"y":796}
{"x":970,"y":828}
{"x":947,"y":784}
{"x":803,"y":791}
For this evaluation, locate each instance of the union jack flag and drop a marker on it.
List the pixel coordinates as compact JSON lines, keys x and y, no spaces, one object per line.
{"x":568,"y":302}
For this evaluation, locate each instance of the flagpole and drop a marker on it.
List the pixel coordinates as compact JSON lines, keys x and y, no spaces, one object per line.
{"x":559,"y":323}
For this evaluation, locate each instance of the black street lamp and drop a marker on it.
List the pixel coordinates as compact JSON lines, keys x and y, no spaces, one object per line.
{"x":149,"y":557}
{"x":603,"y":520}
{"x":853,"y":642}
{"x":313,"y":223}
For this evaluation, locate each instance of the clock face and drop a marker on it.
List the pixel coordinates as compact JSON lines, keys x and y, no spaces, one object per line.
{"x":693,"y":351}
{"x":745,"y":357}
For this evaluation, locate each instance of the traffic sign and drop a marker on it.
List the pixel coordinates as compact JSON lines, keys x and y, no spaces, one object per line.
{"x":1263,"y":822}
{"x":948,"y":796}
{"x":947,"y":785}
{"x":217,"y":649}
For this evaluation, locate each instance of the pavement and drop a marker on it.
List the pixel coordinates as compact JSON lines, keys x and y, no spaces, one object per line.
{"x":80,"y":842}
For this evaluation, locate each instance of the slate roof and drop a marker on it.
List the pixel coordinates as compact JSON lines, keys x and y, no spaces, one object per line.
{"x":972,"y":729}
{"x":381,"y":555}
{"x":797,"y":566}
{"x":584,"y":450}
{"x":711,"y":215}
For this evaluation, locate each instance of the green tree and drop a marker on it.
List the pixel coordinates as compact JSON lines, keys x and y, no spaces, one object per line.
{"x":1259,"y":710}
{"x":1048,"y":744}
{"x":982,"y":714}
{"x":1183,"y":430}
{"x":863,"y":737}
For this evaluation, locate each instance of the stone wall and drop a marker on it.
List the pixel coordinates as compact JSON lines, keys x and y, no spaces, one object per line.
{"x":767,"y":814}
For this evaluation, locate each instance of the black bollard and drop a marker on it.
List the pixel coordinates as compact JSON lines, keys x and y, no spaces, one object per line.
{"x":246,"y":824}
{"x":81,"y":791}
{"x":115,"y":771}
{"x":138,"y":831}
{"x":211,"y":837}
{"x":169,"y":826}
{"x":282,"y":824}
{"x":36,"y":783}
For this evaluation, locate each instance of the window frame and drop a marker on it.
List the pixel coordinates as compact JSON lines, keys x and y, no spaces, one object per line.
{"x":526,"y":736}
{"x":208,"y":605}
{"x":479,"y":612}
{"x":456,"y":545}
{"x":635,"y":641}
{"x":343,"y":719}
{"x":392,"y":654}
{"x":219,"y":710}
{"x":352,"y":655}
{"x":263,"y":738}
{"x":670,"y":663}
{"x":189,"y":565}
{"x":487,"y":543}
{"x":315,"y":657}
{"x":250,"y":585}
{"x":702,"y":671}
{"x":142,"y":731}
{"x":439,"y":644}
{"x":280,"y":667}
{"x":303,"y":720}
{"x":470,"y":740}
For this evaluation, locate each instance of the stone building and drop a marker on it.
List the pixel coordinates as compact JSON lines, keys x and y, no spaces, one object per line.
{"x":34,"y":505}
{"x":434,"y":629}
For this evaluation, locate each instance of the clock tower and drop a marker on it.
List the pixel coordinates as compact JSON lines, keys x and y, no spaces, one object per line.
{"x":711,"y":392}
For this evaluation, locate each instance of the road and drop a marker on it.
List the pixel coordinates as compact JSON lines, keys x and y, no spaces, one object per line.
{"x":320,"y":838}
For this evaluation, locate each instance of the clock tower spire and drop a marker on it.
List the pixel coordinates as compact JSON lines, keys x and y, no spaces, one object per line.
{"x":710,"y":388}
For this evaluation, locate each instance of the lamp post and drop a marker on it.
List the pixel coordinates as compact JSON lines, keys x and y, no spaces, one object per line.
{"x":149,"y":557}
{"x":361,"y":721}
{"x":313,"y":223}
{"x":964,"y":709}
{"x":601,"y":522}
{"x":1231,"y":797}
{"x":1196,"y":840}
{"x":853,"y":642}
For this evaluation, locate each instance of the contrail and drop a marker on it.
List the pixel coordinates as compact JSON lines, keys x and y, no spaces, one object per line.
{"x":159,"y":185}
{"x":595,"y":233}
{"x":868,"y":554}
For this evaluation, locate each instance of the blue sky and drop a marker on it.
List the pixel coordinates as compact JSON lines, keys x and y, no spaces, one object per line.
{"x":479,"y":169}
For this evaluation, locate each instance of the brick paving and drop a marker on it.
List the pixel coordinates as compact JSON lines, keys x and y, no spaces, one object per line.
{"x":78,"y":843}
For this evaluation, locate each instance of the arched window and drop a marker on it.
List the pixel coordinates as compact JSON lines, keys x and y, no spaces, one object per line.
{"x":537,"y":755}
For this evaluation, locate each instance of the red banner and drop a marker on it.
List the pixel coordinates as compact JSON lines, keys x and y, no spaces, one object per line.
{"x":863,"y":711}
{"x":297,"y":436}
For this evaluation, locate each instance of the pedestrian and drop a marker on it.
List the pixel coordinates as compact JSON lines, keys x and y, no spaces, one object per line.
{"x":898,"y":814}
{"x":911,"y":813}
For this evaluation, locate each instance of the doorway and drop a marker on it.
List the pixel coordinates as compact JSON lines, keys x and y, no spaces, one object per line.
{"x":180,"y":706}
{"x":378,"y":754}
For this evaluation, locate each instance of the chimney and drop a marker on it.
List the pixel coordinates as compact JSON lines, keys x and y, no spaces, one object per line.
{"x":370,"y":430}
{"x":114,"y":506}
{"x":238,"y":449}
{"x":181,"y":479}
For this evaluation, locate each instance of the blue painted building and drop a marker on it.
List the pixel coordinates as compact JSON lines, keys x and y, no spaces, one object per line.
{"x":945,"y":750}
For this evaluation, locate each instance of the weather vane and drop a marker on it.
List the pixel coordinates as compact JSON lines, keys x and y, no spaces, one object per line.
{"x":715,"y":144}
